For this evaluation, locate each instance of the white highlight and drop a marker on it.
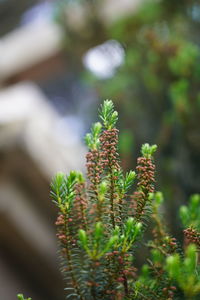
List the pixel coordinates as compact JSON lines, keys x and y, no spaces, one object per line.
{"x":104,"y":59}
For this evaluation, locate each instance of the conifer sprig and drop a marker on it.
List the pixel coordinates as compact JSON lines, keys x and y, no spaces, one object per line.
{"x":92,"y":139}
{"x":108,"y":115}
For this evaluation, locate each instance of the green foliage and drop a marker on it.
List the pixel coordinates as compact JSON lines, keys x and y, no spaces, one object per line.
{"x":148,"y":151}
{"x":92,"y":139}
{"x":21,"y":297}
{"x":190,"y":217}
{"x":157,"y":199}
{"x":62,"y":190}
{"x":185,"y":272}
{"x":183,"y":63}
{"x":108,"y":115}
{"x":97,"y":246}
{"x":100,"y":225}
{"x":131,"y":231}
{"x":128,"y":180}
{"x":124,"y":183}
{"x":190,"y":214}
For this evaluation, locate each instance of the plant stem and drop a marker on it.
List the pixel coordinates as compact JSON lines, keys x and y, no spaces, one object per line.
{"x":69,"y":260}
{"x":112,"y":216}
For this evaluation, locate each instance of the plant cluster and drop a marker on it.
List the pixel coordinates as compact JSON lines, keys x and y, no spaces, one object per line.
{"x":156,"y":88}
{"x":101,"y":222}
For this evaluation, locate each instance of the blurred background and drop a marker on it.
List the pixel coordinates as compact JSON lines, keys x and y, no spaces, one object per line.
{"x":58,"y":60}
